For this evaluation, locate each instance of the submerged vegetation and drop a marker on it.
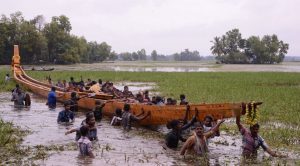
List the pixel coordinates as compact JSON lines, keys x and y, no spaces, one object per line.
{"x":10,"y":139}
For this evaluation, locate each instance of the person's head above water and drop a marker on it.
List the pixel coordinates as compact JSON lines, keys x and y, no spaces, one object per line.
{"x":198,"y":128}
{"x":126,"y":107}
{"x":118,"y":112}
{"x":90,"y":119}
{"x":73,"y":94}
{"x":67,"y":105}
{"x":182,"y":97}
{"x":174,"y":124}
{"x":208,"y":121}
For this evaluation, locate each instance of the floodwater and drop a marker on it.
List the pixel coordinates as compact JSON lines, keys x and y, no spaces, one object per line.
{"x":201,"y":66}
{"x":140,"y":146}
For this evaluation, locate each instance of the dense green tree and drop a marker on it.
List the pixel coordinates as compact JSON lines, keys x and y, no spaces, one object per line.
{"x":113,"y":56}
{"x":187,"y":55}
{"x":232,"y":48}
{"x":217,"y":48}
{"x":154,"y":55}
{"x":142,"y":54}
{"x":9,"y":35}
{"x":98,"y":52}
{"x":50,"y":42}
{"x":135,"y":56}
{"x":267,"y":50}
{"x":58,"y":37}
{"x":126,"y":56}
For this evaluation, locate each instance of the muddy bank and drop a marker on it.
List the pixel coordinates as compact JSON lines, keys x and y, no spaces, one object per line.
{"x":115,"y":147}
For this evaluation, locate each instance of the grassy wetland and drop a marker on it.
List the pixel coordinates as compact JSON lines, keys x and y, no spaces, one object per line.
{"x":279,"y":92}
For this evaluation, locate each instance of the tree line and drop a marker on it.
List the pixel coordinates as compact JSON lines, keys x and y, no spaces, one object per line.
{"x":42,"y":42}
{"x":185,"y":55}
{"x":52,"y":42}
{"x":232,"y":48}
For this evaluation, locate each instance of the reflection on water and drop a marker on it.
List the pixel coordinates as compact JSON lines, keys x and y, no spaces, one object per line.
{"x":159,"y":69}
{"x":115,"y":147}
{"x":201,"y":66}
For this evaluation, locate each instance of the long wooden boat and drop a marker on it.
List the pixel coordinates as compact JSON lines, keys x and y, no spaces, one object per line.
{"x":159,"y":115}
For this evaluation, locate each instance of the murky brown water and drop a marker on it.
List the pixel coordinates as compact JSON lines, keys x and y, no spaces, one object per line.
{"x":138,"y":147}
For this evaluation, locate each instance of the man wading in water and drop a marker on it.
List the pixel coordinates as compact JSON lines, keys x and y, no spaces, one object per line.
{"x":18,"y":98}
{"x":197,"y":143}
{"x":252,"y":141}
{"x":127,"y":117}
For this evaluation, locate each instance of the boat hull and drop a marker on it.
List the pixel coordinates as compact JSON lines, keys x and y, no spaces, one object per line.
{"x":159,"y":115}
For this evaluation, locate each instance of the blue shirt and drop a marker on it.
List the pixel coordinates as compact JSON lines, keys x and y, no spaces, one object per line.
{"x":65,"y":116}
{"x":51,"y":98}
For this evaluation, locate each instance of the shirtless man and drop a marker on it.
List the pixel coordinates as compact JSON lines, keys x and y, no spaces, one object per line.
{"x":197,"y":143}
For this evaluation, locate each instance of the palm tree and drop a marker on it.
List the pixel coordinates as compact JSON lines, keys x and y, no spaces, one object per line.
{"x":217,"y":48}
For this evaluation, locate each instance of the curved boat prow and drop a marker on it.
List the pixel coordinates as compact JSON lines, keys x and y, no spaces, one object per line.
{"x":15,"y":63}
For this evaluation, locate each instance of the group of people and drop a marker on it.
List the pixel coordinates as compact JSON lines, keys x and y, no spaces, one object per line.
{"x":108,"y":87}
{"x":198,"y":141}
{"x":196,"y":144}
{"x":87,"y":132}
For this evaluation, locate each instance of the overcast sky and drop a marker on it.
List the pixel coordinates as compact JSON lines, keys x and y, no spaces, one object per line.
{"x":168,"y":26}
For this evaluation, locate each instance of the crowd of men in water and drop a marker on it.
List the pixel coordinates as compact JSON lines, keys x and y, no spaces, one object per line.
{"x":200,"y":130}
